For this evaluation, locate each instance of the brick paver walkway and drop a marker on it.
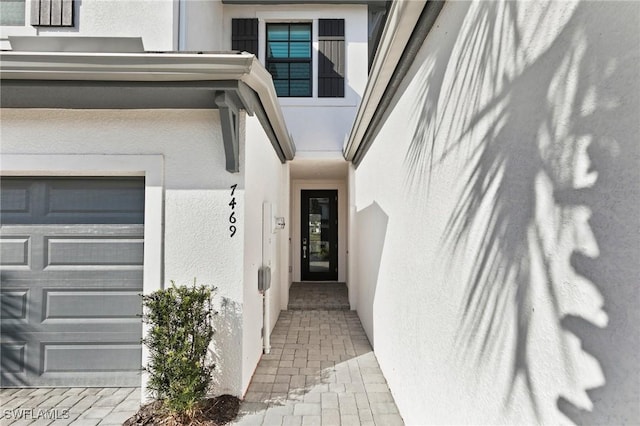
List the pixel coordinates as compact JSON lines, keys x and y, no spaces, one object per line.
{"x":318,"y":295}
{"x":68,"y":406}
{"x":321,"y":371}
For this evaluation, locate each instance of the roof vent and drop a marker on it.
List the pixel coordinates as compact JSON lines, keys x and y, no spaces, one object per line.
{"x":76,"y":44}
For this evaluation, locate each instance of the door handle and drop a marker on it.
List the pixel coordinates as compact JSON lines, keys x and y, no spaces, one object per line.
{"x":304,"y":248}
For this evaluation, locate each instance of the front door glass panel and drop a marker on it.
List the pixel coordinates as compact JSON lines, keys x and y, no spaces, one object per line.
{"x":319,"y":244}
{"x":319,"y":235}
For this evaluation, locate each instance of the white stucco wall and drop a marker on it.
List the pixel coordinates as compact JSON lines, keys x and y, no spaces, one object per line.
{"x":156,"y":21}
{"x":201,"y":26}
{"x":496,"y":219}
{"x":196,"y":196}
{"x":265,"y":182}
{"x":316,"y":124}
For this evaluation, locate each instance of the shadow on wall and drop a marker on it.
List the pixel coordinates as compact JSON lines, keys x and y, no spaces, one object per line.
{"x":322,"y":127}
{"x":227,"y":341}
{"x":14,"y":368}
{"x":372,"y":226}
{"x":331,"y":77}
{"x":312,"y":352}
{"x":546,"y":130}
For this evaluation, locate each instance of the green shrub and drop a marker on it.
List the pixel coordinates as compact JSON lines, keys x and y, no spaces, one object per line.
{"x":180,"y":333}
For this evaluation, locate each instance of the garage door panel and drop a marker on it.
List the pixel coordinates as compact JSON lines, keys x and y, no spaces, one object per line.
{"x":119,"y":379}
{"x":72,"y":261}
{"x":88,"y":329}
{"x":67,"y":364}
{"x":52,"y":277}
{"x":15,"y":195}
{"x":14,"y":251}
{"x":91,"y":357}
{"x":102,"y":247}
{"x":86,"y":199}
{"x":13,"y":304}
{"x":29,"y":301}
{"x":31,"y":356}
{"x":72,"y":201}
{"x":27,"y":231}
{"x":95,"y":304}
{"x":14,"y":357}
{"x":94,"y":252}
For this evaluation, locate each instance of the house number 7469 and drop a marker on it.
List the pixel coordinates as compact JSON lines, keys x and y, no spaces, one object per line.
{"x":232,"y":217}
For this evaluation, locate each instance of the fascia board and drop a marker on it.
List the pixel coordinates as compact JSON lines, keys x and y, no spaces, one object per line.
{"x":291,"y":2}
{"x":403,"y":17}
{"x":152,"y":67}
{"x":260,"y":81}
{"x":123,"y":67}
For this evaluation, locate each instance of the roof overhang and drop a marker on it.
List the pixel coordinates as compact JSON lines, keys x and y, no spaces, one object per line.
{"x":224,"y":81}
{"x":289,"y":2}
{"x":407,"y":26}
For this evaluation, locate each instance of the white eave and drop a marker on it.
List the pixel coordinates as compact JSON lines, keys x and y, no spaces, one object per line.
{"x":148,"y":67}
{"x":408,"y":21}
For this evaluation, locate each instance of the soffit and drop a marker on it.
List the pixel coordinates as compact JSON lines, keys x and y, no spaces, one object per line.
{"x":119,"y":94}
{"x":318,"y":169}
{"x":227,"y":82}
{"x":277,"y":2}
{"x":407,"y":26}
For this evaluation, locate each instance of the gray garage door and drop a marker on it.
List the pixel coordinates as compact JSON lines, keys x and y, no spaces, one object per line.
{"x":71,"y":255}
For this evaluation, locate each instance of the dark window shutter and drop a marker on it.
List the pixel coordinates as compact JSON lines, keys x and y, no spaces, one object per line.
{"x":52,"y":13}
{"x":331,"y":58}
{"x":244,"y":35}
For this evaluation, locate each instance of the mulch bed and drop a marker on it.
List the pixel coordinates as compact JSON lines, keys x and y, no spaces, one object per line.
{"x":212,"y":412}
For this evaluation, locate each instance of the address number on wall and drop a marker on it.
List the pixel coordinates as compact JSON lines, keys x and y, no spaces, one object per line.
{"x":232,"y":216}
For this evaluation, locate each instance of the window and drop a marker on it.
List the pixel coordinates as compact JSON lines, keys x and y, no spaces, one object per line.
{"x":12,"y":12}
{"x":289,"y":54}
{"x":42,"y":13}
{"x":289,"y":58}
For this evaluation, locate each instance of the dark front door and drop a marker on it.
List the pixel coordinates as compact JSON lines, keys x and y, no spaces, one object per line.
{"x":319,"y":243}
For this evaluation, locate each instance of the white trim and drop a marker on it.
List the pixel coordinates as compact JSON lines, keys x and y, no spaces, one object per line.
{"x":345,"y":102}
{"x":402,"y":19}
{"x":286,"y":264}
{"x":312,"y":16}
{"x":6,"y":31}
{"x":262,"y":47}
{"x":315,"y":53}
{"x":341,"y":187}
{"x":149,"y":166}
{"x":289,"y":16}
{"x":20,"y":30}
{"x":336,"y":155}
{"x":155,"y":67}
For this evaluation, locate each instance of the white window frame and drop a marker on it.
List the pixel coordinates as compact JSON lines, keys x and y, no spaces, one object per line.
{"x":20,"y":30}
{"x":304,"y":16}
{"x":262,"y":47}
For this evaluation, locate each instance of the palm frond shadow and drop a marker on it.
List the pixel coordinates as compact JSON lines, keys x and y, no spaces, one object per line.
{"x":502,"y":116}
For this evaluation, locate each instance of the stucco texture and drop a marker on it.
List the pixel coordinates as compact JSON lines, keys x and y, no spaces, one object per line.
{"x":265,"y":182}
{"x":315,"y":124}
{"x":196,"y":238}
{"x":155,"y":21}
{"x":497,"y":257}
